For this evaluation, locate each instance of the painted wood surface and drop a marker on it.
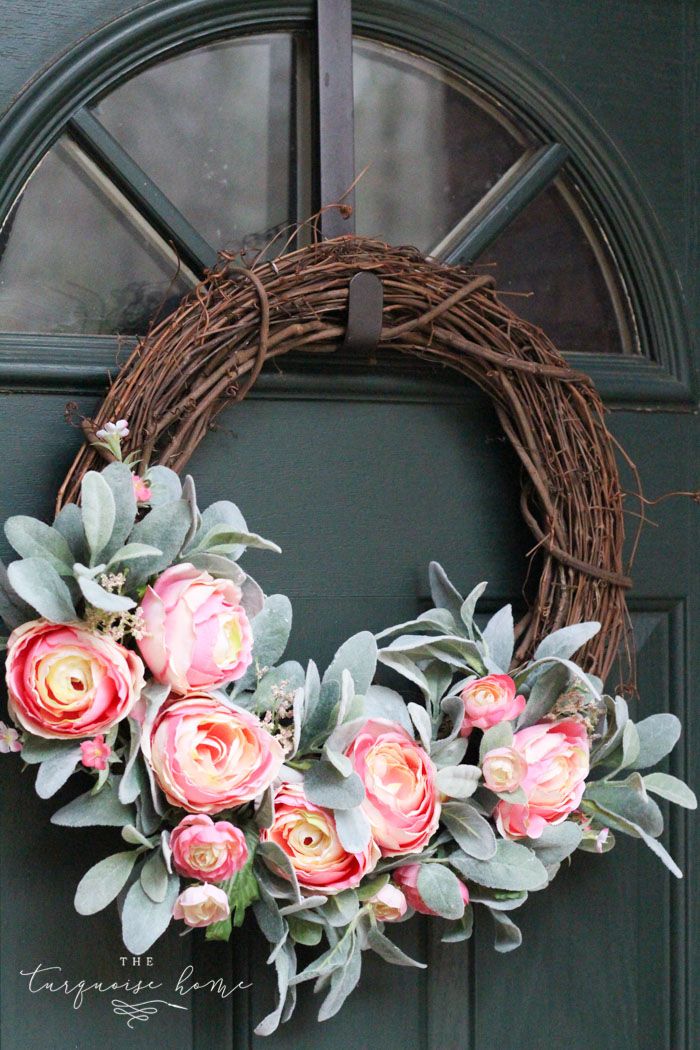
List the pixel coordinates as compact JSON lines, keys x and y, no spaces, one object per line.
{"x":362,"y":484}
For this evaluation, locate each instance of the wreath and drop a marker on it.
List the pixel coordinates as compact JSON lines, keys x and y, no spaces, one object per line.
{"x":143,"y":655}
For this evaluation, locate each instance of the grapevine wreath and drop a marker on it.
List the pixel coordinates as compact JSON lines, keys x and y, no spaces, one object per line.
{"x":142,"y":654}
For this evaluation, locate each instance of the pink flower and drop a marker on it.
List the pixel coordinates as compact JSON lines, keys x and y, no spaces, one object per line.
{"x":204,"y":850}
{"x":208,"y":755}
{"x":95,"y":753}
{"x":197,"y":634}
{"x":601,"y":838}
{"x":142,"y":491}
{"x":202,"y":905}
{"x":308,"y":835}
{"x":9,"y":739}
{"x":488,"y":701}
{"x":66,"y":681}
{"x":401,"y":801}
{"x":407,"y":878}
{"x":504,"y":769}
{"x":389,"y":904}
{"x":557,"y":757}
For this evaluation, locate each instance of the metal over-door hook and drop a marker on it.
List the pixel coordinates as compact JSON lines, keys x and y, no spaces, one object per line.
{"x":365,"y":302}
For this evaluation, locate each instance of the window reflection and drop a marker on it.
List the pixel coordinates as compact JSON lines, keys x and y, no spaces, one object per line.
{"x":77,"y":258}
{"x":213,"y":129}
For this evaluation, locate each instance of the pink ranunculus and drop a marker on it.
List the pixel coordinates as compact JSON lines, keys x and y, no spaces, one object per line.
{"x":66,"y":681}
{"x":488,"y":701}
{"x":504,"y":769}
{"x":407,"y":878}
{"x":197,"y":634}
{"x":94,"y":754}
{"x":557,"y":757}
{"x":202,"y":905}
{"x":206,"y":850}
{"x":401,"y":802}
{"x":208,"y":755}
{"x":308,"y":835}
{"x":389,"y":904}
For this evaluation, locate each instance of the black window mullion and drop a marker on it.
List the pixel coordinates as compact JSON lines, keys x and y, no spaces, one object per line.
{"x":143,"y":193}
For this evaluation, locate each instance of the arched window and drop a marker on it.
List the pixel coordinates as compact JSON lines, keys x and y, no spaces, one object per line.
{"x":222,"y":134}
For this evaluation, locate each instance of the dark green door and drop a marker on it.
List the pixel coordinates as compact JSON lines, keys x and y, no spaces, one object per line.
{"x":363,"y":475}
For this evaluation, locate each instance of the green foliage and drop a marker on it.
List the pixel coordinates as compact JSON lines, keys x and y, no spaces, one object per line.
{"x":104,"y":881}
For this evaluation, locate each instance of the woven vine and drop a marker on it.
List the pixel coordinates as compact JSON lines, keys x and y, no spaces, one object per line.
{"x":209,"y":352}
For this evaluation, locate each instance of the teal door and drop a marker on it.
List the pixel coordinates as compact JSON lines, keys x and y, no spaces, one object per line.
{"x":364,"y":474}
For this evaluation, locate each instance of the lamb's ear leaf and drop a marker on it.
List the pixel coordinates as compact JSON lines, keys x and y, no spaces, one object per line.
{"x":499,"y":636}
{"x":32,"y":538}
{"x":164,"y":485}
{"x":164,"y":527}
{"x":69,"y":522}
{"x":102,"y":599}
{"x":444,"y":594}
{"x":144,"y":920}
{"x":39,"y":585}
{"x":120,"y":481}
{"x":103,"y":809}
{"x":14,"y":611}
{"x":103,"y":882}
{"x":54,"y":771}
{"x":567,"y":640}
{"x":99,"y":512}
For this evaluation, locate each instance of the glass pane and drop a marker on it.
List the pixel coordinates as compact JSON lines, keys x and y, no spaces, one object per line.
{"x":74,"y":257}
{"x":570,"y":286}
{"x":432,"y":148}
{"x":213,"y":129}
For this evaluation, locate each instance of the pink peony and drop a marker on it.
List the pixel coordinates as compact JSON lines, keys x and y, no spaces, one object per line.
{"x":407,"y":879}
{"x":488,"y":701}
{"x":197,"y":634}
{"x":204,"y":850}
{"x":66,"y":681}
{"x":557,"y":757}
{"x":202,"y":905}
{"x":389,"y":904}
{"x":401,"y":801}
{"x":95,"y":753}
{"x":208,"y":755}
{"x":307,"y":834}
{"x":504,"y":769}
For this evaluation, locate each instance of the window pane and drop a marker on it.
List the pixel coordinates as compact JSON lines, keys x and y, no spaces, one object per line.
{"x":213,"y":129}
{"x":431,"y":149}
{"x":75,"y":258}
{"x":570,"y":287}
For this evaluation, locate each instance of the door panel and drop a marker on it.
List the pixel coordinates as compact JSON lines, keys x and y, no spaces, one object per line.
{"x":362,"y":484}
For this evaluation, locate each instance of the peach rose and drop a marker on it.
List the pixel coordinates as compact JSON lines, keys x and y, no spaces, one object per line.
{"x":557,"y":757}
{"x":488,"y":701}
{"x":208,"y":755}
{"x":504,"y":769}
{"x":401,"y":800}
{"x":407,"y":878}
{"x":202,"y":905}
{"x":66,"y":681}
{"x":308,"y":835}
{"x":197,"y":634}
{"x":389,"y":904}
{"x":206,"y":850}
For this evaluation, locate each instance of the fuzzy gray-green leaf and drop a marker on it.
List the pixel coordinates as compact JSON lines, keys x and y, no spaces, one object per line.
{"x":103,"y":882}
{"x":32,"y":538}
{"x":39,"y":585}
{"x":99,"y":512}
